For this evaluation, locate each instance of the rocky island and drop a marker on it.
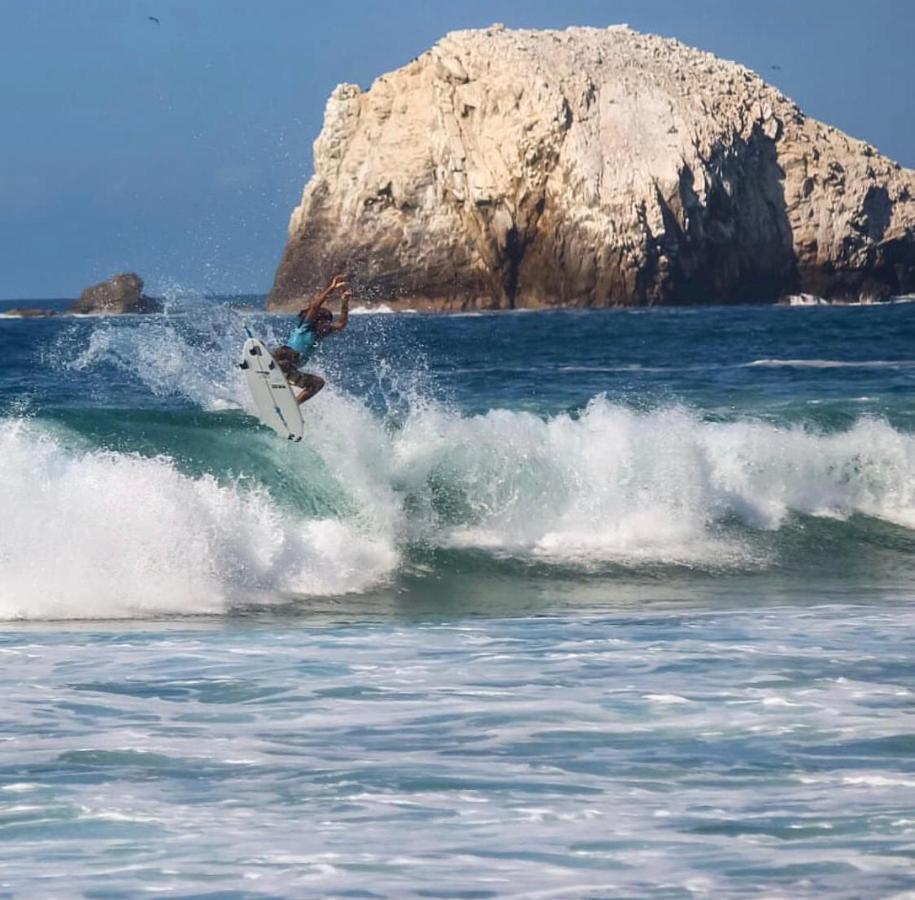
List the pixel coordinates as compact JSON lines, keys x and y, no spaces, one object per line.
{"x":591,"y":168}
{"x":119,"y":294}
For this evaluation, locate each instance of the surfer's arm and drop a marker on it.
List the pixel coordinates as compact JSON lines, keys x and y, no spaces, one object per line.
{"x":320,"y":299}
{"x":343,"y":318}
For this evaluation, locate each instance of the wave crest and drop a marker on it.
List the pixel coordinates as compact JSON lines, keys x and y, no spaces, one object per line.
{"x":101,"y":533}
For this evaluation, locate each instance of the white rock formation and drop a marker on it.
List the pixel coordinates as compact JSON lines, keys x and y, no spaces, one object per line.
{"x":591,"y":167}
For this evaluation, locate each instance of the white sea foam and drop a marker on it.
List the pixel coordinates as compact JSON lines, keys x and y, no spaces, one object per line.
{"x":614,"y":484}
{"x":809,"y":300}
{"x":831,"y":364}
{"x":375,"y":310}
{"x":102,"y":534}
{"x":879,"y":781}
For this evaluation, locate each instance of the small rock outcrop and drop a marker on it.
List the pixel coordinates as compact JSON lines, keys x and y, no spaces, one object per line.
{"x":119,"y":294}
{"x":591,"y":167}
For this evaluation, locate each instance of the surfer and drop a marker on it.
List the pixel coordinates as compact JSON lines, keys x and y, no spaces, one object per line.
{"x":313,"y":325}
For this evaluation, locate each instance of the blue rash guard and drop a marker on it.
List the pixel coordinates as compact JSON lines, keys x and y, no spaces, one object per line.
{"x":302,"y":339}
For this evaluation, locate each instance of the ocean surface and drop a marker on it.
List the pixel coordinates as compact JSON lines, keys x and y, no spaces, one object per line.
{"x":564,"y":604}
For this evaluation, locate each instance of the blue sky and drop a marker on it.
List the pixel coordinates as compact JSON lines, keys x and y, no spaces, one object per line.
{"x":178,"y":150}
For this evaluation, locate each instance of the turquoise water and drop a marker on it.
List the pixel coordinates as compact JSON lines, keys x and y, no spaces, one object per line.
{"x":555,"y":604}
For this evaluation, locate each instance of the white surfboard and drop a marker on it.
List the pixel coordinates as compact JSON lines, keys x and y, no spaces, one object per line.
{"x":273,"y":397}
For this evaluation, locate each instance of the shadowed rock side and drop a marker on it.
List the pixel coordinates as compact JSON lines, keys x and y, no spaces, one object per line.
{"x":591,"y":167}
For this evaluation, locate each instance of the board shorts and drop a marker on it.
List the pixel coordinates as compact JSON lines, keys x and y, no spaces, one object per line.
{"x":289,"y":361}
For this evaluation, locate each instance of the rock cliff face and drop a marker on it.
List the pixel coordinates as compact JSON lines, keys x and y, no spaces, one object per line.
{"x":120,"y":294}
{"x":591,"y":167}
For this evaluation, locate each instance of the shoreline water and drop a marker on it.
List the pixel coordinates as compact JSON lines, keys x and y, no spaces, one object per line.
{"x":563,"y":755}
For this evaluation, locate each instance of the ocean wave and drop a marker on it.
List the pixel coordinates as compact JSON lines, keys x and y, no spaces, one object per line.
{"x":662,"y":487}
{"x":104,"y":533}
{"x":832,"y":363}
{"x":101,"y":534}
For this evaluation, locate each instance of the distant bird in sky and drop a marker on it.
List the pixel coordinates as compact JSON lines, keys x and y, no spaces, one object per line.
{"x":153,"y":19}
{"x":777,"y":68}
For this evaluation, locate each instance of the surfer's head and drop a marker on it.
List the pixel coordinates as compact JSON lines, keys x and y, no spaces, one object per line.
{"x":323,"y":318}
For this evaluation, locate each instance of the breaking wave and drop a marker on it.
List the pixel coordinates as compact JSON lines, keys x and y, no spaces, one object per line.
{"x":100,"y":533}
{"x":209,"y":513}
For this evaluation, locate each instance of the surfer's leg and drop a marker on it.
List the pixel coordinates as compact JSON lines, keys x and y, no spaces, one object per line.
{"x":288,"y":360}
{"x":311,"y":384}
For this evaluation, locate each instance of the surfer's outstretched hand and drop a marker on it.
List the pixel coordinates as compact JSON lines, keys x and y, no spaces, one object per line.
{"x":337,"y":282}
